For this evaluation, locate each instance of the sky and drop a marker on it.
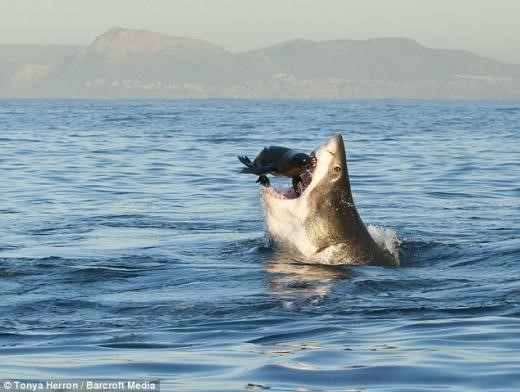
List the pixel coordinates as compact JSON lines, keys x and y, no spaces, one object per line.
{"x":488,"y":27}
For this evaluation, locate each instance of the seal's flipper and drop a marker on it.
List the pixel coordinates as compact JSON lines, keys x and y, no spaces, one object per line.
{"x":245,"y":160}
{"x":264,"y":180}
{"x":252,"y":168}
{"x":298,"y":185}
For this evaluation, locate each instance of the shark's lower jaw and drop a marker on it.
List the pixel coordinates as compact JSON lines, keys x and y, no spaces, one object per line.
{"x":285,"y":215}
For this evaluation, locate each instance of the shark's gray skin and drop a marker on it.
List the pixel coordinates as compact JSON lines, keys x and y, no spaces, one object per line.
{"x":322,"y":224}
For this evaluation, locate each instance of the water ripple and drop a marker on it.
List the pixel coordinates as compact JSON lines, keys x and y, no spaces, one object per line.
{"x":132,"y":247}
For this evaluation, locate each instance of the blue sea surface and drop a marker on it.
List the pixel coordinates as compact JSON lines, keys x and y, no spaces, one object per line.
{"x":131,"y":247}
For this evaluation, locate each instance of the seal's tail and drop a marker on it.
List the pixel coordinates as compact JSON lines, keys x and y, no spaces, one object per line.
{"x":245,"y":160}
{"x":252,"y":168}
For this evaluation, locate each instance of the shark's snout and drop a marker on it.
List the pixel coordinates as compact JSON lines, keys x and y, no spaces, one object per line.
{"x":335,"y":145}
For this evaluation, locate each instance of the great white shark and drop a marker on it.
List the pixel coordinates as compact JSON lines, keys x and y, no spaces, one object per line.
{"x":322,"y":223}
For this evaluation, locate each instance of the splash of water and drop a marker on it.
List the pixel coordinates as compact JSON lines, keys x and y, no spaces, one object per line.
{"x":387,"y":239}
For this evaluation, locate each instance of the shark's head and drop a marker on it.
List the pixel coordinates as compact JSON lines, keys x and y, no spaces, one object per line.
{"x":329,"y":169}
{"x":312,"y":221}
{"x":322,"y":223}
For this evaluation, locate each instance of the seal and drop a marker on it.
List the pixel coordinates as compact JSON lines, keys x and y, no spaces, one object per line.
{"x":279,"y":161}
{"x":322,"y":223}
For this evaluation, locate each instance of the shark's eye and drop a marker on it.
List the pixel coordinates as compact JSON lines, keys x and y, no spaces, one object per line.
{"x":337,"y":169}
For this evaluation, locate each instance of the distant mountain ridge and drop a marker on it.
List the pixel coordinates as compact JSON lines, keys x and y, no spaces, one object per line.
{"x":129,"y":63}
{"x":119,"y":42}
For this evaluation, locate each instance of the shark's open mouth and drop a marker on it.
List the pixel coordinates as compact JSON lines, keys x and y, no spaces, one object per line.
{"x":287,"y":192}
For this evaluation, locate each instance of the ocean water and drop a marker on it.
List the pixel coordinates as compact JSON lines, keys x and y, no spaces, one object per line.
{"x":131,"y":247}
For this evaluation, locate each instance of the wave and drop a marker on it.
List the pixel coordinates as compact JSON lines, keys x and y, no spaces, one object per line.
{"x":387,"y":239}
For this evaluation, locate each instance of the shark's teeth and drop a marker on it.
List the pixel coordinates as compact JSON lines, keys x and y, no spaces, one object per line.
{"x":314,"y":160}
{"x":307,"y":178}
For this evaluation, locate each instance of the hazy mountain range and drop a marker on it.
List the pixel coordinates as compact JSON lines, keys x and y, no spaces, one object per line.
{"x":139,"y":63}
